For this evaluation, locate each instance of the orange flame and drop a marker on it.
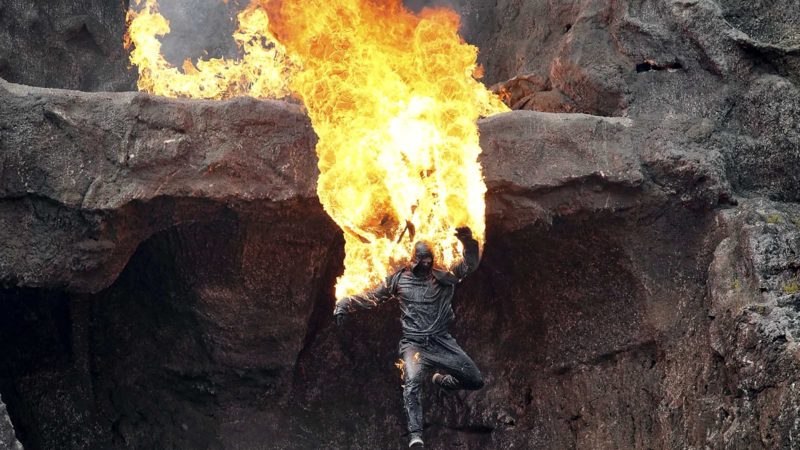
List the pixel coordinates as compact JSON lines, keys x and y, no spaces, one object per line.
{"x":394,"y":101}
{"x":262,"y":71}
{"x":400,"y":364}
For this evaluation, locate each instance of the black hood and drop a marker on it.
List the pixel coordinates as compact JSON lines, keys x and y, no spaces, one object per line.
{"x":421,"y":250}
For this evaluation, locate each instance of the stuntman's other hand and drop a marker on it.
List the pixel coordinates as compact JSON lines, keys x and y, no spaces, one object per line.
{"x":463,"y":233}
{"x":340,"y":319}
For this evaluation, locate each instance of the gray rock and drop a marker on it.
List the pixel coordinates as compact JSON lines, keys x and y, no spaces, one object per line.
{"x":78,"y":45}
{"x":65,"y":44}
{"x":76,"y":166}
{"x":753,"y":286}
{"x":7,"y":438}
{"x":168,"y":270}
{"x":177,"y":278}
{"x":80,"y":169}
{"x":725,"y":64}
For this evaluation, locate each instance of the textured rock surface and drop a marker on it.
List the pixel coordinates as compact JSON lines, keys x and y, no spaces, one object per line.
{"x":754,"y":287}
{"x":65,"y":44}
{"x":168,"y":271}
{"x":730,"y":68}
{"x":91,"y":175}
{"x":219,"y":323}
{"x":7,"y":438}
{"x":77,"y":45}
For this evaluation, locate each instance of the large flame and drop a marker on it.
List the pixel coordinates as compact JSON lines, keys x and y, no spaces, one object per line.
{"x":261,"y":72}
{"x":393,"y":98}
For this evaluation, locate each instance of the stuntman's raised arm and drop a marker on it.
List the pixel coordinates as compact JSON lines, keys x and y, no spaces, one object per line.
{"x":365,"y":300}
{"x":471,"y":255}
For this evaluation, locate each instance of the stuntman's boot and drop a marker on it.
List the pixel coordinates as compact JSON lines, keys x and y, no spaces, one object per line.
{"x":415,"y":441}
{"x":442,"y":381}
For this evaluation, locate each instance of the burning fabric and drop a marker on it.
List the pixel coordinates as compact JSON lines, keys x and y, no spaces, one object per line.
{"x":425,"y":295}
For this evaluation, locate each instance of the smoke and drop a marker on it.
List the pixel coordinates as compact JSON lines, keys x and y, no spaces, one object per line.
{"x":471,"y":20}
{"x":204,"y":28}
{"x":418,"y":5}
{"x":200,"y":29}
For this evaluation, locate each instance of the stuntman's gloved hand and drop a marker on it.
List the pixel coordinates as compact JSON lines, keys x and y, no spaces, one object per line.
{"x":340,"y":319}
{"x":463,"y":233}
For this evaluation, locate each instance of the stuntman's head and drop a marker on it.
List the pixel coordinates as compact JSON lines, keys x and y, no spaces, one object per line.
{"x":423,"y":259}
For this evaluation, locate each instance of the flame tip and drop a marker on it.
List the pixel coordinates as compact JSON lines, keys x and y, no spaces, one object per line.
{"x":393,"y":97}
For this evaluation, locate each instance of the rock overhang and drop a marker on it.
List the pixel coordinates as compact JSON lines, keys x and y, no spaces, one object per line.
{"x":99,"y":159}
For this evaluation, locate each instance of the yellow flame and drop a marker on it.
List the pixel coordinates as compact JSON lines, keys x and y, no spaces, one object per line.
{"x":393,"y":98}
{"x":400,"y":364}
{"x":261,"y":72}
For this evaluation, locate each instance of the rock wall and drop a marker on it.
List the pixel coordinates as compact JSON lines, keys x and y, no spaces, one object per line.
{"x":7,"y":438}
{"x":78,"y":45}
{"x":167,"y":269}
{"x":65,"y":44}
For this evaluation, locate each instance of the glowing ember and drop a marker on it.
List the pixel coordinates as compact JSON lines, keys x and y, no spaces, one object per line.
{"x":400,"y":364}
{"x":391,"y":95}
{"x":262,"y":71}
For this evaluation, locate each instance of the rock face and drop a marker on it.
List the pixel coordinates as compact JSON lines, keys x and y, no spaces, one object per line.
{"x":168,"y":271}
{"x":7,"y":438}
{"x":81,"y":161}
{"x":728,"y":67}
{"x":754,"y":288}
{"x":77,"y":45}
{"x":66,"y":44}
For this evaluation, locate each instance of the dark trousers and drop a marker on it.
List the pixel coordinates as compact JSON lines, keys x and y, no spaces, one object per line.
{"x":424,"y":355}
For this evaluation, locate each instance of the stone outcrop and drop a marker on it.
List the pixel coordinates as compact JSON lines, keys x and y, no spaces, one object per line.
{"x":728,"y":68}
{"x":754,"y":290}
{"x":77,"y":45}
{"x":167,"y":269}
{"x":65,"y":44}
{"x":7,"y":438}
{"x":89,"y":176}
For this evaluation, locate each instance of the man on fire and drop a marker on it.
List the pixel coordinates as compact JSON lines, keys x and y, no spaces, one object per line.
{"x":425,"y":295}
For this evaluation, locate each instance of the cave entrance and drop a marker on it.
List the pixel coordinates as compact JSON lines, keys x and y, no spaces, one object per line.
{"x":217,"y":334}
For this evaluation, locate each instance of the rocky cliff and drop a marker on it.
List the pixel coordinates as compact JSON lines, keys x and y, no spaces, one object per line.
{"x":167,"y":269}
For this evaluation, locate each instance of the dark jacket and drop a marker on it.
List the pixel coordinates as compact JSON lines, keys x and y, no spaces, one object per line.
{"x":425,"y":302}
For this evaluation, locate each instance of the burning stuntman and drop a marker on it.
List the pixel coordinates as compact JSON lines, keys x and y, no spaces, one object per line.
{"x":425,"y":296}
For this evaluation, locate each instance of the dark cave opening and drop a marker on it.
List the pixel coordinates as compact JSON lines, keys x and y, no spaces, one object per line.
{"x":197,"y":325}
{"x":213,"y":336}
